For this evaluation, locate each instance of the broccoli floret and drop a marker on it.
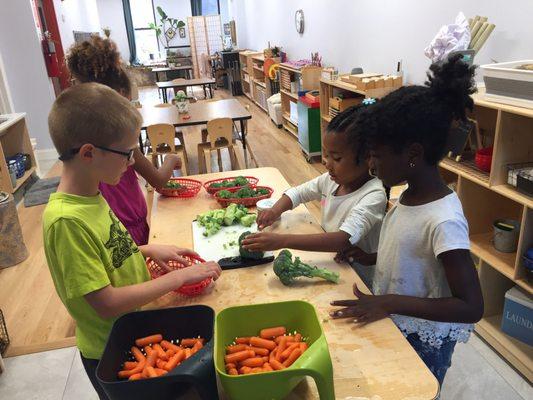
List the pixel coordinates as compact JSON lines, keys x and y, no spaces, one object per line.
{"x":225,"y":194}
{"x":240,"y":181}
{"x":248,"y":220}
{"x":245,"y":192}
{"x":288,"y":270}
{"x":261,"y":192}
{"x":229,"y":214}
{"x":254,"y":255}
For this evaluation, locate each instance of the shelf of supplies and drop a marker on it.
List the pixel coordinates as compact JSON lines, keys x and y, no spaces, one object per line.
{"x":342,"y":85}
{"x":326,"y":118}
{"x":24,"y":178}
{"x":293,"y":95}
{"x":519,"y":354}
{"x":260,"y":58}
{"x":287,"y":117}
{"x":513,"y":194}
{"x":260,"y":83}
{"x":481,"y":246}
{"x":290,"y":68}
{"x":258,"y":69}
{"x":466,"y":169}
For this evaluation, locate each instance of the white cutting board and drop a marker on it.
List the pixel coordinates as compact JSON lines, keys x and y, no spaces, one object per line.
{"x":211,"y":248}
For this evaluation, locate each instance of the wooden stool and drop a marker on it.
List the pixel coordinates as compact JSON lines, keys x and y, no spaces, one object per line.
{"x":179,"y":134}
{"x":220,"y":135}
{"x":162,"y":135}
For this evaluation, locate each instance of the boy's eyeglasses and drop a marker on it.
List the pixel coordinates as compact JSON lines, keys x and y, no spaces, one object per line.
{"x":72,"y":152}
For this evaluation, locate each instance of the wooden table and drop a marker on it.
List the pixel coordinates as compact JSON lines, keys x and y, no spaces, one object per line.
{"x":199,"y":114}
{"x":374,"y":360}
{"x":186,"y":68}
{"x":186,"y":83}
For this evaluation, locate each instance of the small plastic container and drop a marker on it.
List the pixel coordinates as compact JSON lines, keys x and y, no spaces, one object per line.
{"x":265,"y":204}
{"x":506,"y":233}
{"x":484,"y":159}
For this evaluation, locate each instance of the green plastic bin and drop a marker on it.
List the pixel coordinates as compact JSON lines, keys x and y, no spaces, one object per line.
{"x":248,"y":321}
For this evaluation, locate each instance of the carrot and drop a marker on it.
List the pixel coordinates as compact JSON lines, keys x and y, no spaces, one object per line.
{"x":130,"y":364}
{"x":298,"y":337}
{"x":239,"y":356}
{"x":235,"y":348}
{"x":276,"y":365}
{"x":160,"y":371}
{"x":256,"y":370}
{"x":139,"y":356}
{"x":145,"y":341}
{"x":269,"y":333}
{"x":169,"y":346}
{"x":188,"y":353}
{"x":259,"y":350}
{"x":135,"y":377}
{"x":230,"y":366}
{"x":150,"y":371}
{"x":281,"y":348}
{"x":289,"y":350}
{"x":252,"y":362}
{"x":259,"y":342}
{"x":287,"y":339}
{"x":175,"y":360}
{"x":197,"y":346}
{"x":233,"y":371}
{"x":144,"y":374}
{"x":188,"y":342}
{"x":151,"y":359}
{"x":245,"y":370}
{"x":267,"y":367}
{"x":293,"y":357}
{"x":170,"y":353}
{"x":160,"y":364}
{"x":130,"y":372}
{"x":161,"y":353}
{"x":303,"y":346}
{"x":148,"y":350}
{"x":242,"y":340}
{"x":273,"y":354}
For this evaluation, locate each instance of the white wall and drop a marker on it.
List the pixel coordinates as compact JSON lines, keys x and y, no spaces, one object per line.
{"x":375,"y":34}
{"x":24,"y":68}
{"x":111,"y":14}
{"x":179,"y":9}
{"x":76,"y":15}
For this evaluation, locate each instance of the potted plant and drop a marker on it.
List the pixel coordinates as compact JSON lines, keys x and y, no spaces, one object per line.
{"x":167,"y":28}
{"x":181,"y":102}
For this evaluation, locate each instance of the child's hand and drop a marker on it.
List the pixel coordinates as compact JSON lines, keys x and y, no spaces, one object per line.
{"x":267,"y":218}
{"x":174,"y":160}
{"x":162,"y":254}
{"x":355,"y":254}
{"x":198,"y":273}
{"x":364,"y":310}
{"x":263,"y":241}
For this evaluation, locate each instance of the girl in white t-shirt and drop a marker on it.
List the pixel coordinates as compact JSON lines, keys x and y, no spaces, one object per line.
{"x":353,"y":202}
{"x":425,"y":279}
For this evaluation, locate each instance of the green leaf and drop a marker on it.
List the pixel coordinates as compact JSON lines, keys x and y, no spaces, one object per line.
{"x":151,"y":25}
{"x":181,"y":24}
{"x":162,"y":13}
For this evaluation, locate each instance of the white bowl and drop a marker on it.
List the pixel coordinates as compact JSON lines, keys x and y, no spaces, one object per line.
{"x":265,"y":204}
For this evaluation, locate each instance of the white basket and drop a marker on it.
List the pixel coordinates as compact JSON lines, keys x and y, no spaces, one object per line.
{"x":506,"y":84}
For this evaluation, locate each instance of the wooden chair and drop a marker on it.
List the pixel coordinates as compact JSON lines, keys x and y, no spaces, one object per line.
{"x":161,"y":138}
{"x":179,"y":134}
{"x":220,"y":137}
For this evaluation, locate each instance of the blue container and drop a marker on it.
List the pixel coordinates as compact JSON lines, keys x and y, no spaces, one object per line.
{"x":517,"y":320}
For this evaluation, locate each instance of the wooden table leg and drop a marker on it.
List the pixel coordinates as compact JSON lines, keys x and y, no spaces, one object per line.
{"x":243,"y":134}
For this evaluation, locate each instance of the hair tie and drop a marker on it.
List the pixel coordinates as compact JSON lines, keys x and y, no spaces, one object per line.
{"x":369,"y":101}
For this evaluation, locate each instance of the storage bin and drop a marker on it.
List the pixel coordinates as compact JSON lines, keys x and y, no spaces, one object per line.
{"x":521,"y":177}
{"x":294,"y":112}
{"x":517,"y":315}
{"x":507,"y":83}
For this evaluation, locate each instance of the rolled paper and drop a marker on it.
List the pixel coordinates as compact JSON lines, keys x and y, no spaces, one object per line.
{"x":481,"y":41}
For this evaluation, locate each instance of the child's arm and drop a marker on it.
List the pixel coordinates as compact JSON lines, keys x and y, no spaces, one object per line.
{"x":355,"y":254}
{"x":464,"y":305}
{"x":267,"y":217}
{"x":154,"y":176}
{"x":327,"y":241}
{"x":110,"y":302}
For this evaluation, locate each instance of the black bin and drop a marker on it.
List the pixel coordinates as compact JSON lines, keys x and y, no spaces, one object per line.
{"x":173,"y":323}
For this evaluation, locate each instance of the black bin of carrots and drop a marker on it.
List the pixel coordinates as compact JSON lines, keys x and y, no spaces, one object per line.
{"x":173,"y":324}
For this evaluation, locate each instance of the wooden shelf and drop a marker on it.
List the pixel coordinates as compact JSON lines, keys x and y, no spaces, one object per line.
{"x":260,"y":58}
{"x":481,"y":246}
{"x":261,"y":107}
{"x":259,"y":83}
{"x":287,"y":117}
{"x":259,"y":69}
{"x":248,"y":95}
{"x":513,"y":194}
{"x":289,"y":68}
{"x":243,"y":70}
{"x":291,"y":129}
{"x":24,"y":178}
{"x":326,"y":118}
{"x":524,"y":284}
{"x":466,"y":169}
{"x":479,"y":99}
{"x":519,"y":354}
{"x":292,"y":95}
{"x":342,"y":85}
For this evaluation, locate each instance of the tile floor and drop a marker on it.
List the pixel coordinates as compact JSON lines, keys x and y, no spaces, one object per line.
{"x":477,"y":373}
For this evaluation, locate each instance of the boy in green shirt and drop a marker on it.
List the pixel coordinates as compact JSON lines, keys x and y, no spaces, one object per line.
{"x":98,"y":271}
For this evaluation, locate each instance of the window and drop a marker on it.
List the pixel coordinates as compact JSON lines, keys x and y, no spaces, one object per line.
{"x":205,"y":7}
{"x":146,"y":44}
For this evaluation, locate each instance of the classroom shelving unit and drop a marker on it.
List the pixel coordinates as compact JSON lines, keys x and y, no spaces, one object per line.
{"x":247,"y":72}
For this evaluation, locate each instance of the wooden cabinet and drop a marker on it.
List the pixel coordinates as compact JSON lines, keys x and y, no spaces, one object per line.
{"x":14,"y":139}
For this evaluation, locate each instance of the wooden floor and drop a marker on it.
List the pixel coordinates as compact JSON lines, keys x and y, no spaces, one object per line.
{"x":35,"y":317}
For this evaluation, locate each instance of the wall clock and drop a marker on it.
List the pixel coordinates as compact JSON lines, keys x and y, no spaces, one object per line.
{"x":299,"y":21}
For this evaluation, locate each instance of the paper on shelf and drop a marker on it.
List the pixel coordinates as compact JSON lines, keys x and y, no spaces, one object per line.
{"x":450,"y":38}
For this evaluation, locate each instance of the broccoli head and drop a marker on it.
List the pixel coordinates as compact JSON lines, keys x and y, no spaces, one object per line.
{"x":248,"y":220}
{"x":288,"y":269}
{"x":240,"y":181}
{"x":225,"y":194}
{"x":254,"y":255}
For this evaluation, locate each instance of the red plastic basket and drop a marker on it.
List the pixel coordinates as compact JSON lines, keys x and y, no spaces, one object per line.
{"x":252,"y":182}
{"x":194,"y":289}
{"x":247,"y":201}
{"x":190,"y":188}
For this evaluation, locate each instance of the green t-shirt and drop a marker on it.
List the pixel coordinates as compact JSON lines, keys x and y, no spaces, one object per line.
{"x":88,"y":248}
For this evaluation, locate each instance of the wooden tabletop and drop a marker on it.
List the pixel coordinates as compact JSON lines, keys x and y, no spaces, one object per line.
{"x":374,"y":361}
{"x":166,"y":69}
{"x":200,"y":113}
{"x":185,"y":82}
